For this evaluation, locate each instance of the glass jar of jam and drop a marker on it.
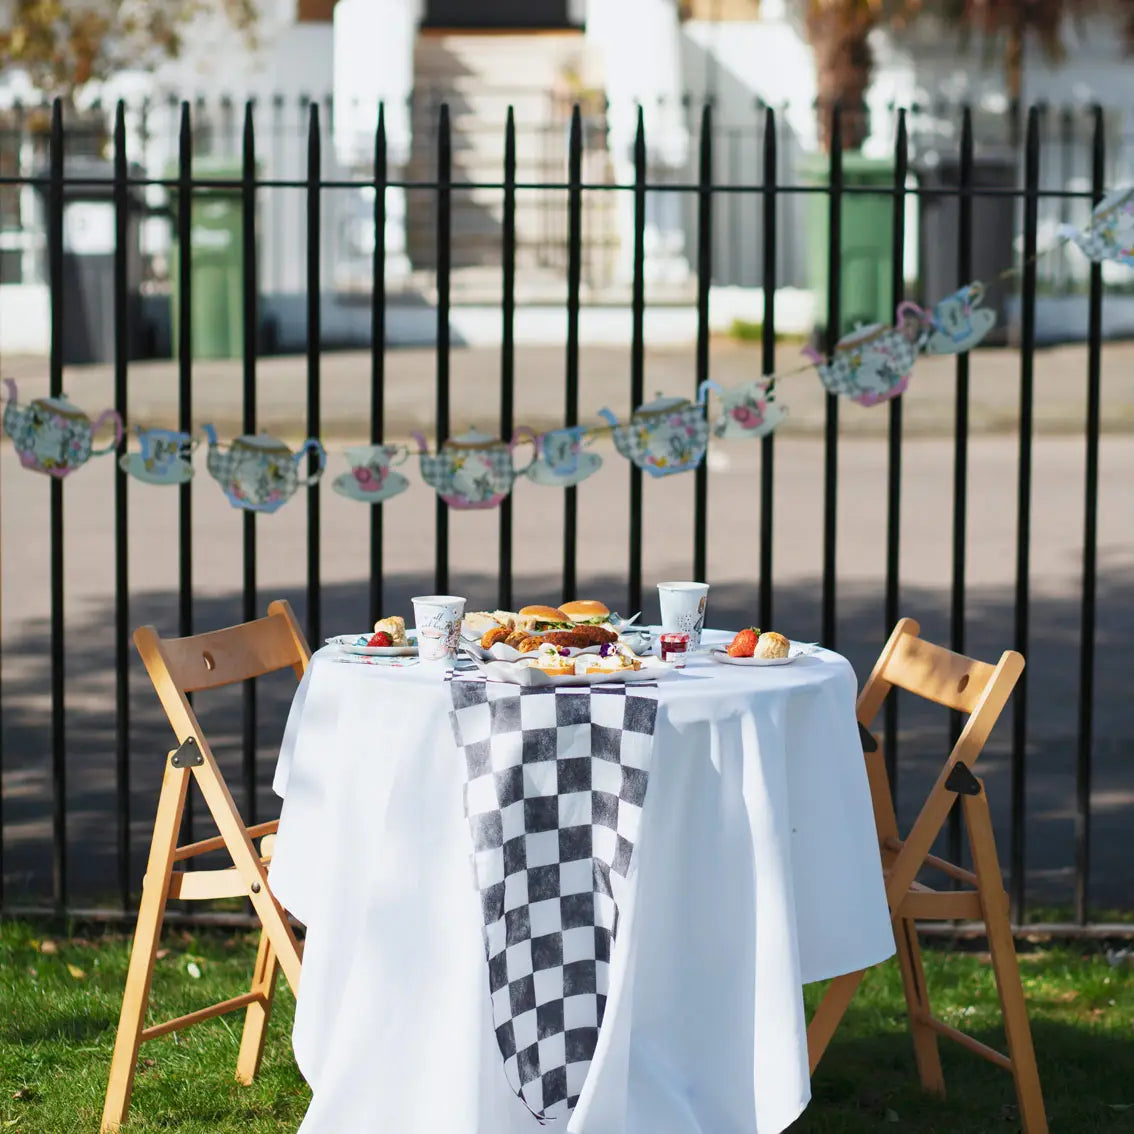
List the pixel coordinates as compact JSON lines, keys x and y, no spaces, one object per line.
{"x":673,"y":648}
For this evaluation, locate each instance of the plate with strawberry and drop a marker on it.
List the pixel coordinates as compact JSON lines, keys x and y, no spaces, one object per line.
{"x":753,"y":646}
{"x":389,"y":639}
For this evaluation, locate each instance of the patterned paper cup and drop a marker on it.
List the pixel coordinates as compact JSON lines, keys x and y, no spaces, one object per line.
{"x":683,"y":609}
{"x":438,"y":622}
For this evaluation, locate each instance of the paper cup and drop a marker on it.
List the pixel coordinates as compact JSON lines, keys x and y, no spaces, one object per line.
{"x":438,"y":622}
{"x":683,"y":609}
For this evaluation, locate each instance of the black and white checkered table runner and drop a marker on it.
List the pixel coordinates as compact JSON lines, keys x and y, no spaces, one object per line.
{"x":556,"y":780}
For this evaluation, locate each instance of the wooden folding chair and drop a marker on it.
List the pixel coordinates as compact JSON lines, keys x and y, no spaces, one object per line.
{"x":177,"y":667}
{"x":980,"y":690}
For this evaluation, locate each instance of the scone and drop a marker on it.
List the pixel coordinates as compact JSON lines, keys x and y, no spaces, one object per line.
{"x":395,"y":627}
{"x":771,"y":645}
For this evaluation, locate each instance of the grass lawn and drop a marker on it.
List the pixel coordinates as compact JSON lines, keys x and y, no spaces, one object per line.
{"x":59,"y":1000}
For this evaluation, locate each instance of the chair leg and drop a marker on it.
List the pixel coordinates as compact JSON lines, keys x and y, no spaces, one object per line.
{"x":831,"y":1010}
{"x":256,"y":1015}
{"x":147,"y":934}
{"x":926,"y":1052}
{"x":247,"y":862}
{"x":1001,"y":947}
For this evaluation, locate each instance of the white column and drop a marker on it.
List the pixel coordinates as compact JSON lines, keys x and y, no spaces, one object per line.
{"x":374,"y":42}
{"x":639,"y":44}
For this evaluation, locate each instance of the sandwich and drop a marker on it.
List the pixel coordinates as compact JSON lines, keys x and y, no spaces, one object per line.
{"x":536,"y":619}
{"x":586,"y":612}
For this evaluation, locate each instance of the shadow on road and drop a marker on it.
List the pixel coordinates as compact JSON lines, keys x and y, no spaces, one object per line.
{"x":1050,"y":764}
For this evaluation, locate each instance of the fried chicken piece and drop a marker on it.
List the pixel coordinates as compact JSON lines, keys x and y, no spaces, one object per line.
{"x":530,"y":644}
{"x":491,"y":637}
{"x":572,"y":639}
{"x":516,"y":639}
{"x":596,"y":635}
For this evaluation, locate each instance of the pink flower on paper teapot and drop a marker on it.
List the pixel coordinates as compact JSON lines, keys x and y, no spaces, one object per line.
{"x":53,"y":436}
{"x":473,"y":470}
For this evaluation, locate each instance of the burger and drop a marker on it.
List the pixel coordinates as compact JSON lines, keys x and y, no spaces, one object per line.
{"x":536,"y":619}
{"x":586,"y":612}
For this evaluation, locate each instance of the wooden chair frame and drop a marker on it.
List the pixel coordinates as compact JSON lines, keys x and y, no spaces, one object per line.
{"x":980,"y":690}
{"x":178,"y":667}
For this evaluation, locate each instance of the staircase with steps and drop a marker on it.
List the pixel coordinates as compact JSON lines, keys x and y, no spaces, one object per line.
{"x":479,"y":76}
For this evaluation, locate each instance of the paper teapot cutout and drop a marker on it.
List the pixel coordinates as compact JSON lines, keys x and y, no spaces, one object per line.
{"x":749,"y":410}
{"x":259,"y":473}
{"x":473,"y":470}
{"x":873,"y":364}
{"x":665,"y":436}
{"x":53,"y":436}
{"x":1110,"y":233}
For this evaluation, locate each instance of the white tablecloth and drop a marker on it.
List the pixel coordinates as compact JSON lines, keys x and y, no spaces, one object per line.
{"x":758,"y":872}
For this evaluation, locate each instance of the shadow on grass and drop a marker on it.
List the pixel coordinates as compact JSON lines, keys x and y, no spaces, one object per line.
{"x":867,"y":1081}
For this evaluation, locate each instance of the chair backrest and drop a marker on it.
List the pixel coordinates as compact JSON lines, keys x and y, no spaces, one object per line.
{"x":974,"y":687}
{"x":180,"y":666}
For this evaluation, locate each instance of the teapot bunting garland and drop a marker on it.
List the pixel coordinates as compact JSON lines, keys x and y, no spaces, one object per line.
{"x":258,"y":473}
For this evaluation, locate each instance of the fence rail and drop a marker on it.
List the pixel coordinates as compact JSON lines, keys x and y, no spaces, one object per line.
{"x":768,"y":195}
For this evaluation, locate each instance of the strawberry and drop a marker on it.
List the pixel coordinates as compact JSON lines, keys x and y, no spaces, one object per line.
{"x":380,"y":639}
{"x":744,"y":644}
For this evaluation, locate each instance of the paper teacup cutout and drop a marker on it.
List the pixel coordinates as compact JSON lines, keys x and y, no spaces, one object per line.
{"x":166,"y":457}
{"x":561,"y":461}
{"x":372,"y":479}
{"x":749,"y":410}
{"x":958,"y":322}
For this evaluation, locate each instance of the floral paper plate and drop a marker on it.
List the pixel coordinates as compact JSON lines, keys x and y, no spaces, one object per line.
{"x":356,"y":644}
{"x":796,"y":650}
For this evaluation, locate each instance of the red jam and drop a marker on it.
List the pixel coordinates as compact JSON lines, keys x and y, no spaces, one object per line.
{"x":673,"y":647}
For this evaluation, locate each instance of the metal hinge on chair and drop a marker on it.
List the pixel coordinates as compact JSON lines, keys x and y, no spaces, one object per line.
{"x":187,"y":755}
{"x":961,"y":781}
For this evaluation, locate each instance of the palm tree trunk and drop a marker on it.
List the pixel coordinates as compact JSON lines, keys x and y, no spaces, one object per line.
{"x":844,"y":64}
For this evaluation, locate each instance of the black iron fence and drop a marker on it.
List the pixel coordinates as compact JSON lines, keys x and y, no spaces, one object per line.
{"x":103,"y":750}
{"x":542,"y":126}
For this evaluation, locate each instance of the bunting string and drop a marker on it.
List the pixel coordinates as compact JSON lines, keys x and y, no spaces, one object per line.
{"x":869,"y":365}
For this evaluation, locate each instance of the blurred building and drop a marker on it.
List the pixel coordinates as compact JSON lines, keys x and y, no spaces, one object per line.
{"x":540,"y":57}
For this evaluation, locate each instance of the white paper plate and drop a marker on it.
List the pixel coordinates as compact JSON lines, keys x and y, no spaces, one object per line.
{"x":796,"y":650}
{"x":532,"y":676}
{"x":356,"y":644}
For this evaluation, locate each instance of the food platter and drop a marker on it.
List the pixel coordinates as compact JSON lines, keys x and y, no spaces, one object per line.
{"x":356,"y":644}
{"x":529,"y":675}
{"x":798,"y":650}
{"x":502,"y":653}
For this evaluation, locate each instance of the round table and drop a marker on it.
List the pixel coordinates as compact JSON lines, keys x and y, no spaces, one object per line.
{"x":758,"y":871}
